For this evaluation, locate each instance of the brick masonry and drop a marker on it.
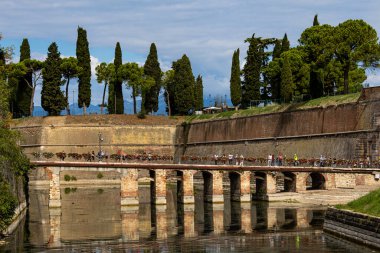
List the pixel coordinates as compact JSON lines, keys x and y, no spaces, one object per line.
{"x":354,"y":226}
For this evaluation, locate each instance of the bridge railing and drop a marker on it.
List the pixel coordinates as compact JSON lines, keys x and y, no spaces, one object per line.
{"x":206,"y":160}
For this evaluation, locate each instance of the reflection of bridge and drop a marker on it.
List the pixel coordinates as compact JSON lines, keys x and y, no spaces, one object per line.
{"x":98,"y":216}
{"x":245,"y":182}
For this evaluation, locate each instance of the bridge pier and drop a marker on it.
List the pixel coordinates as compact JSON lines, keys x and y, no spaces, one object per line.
{"x":189,"y":220}
{"x":55,"y":227}
{"x":188,"y":186}
{"x":54,"y":187}
{"x":158,"y":186}
{"x":129,"y":188}
{"x":213,"y":185}
{"x":245,"y":186}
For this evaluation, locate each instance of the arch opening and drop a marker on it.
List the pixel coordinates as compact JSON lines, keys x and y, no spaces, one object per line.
{"x":315,"y":181}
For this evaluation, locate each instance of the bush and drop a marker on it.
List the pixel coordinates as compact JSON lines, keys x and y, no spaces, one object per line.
{"x":100,"y":175}
{"x":8,"y":204}
{"x":73,"y":178}
{"x":67,"y":178}
{"x":141,"y":114}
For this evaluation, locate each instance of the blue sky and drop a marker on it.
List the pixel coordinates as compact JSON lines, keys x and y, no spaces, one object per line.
{"x":207,"y":31}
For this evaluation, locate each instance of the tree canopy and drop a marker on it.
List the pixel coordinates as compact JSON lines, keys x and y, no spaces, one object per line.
{"x":84,"y":62}
{"x":52,"y":98}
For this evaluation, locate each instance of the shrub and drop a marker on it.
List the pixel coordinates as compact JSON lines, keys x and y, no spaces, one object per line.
{"x":67,"y":178}
{"x":8,"y":204}
{"x":100,"y":175}
{"x":73,"y":178}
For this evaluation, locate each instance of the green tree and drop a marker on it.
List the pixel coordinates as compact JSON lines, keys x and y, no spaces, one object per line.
{"x":285,"y":46}
{"x":168,"y":84}
{"x":316,"y":43}
{"x":84,"y":62}
{"x":235,"y":81}
{"x":183,"y":90}
{"x":19,"y":70}
{"x":152,"y":69}
{"x":105,"y":73}
{"x":315,"y":21}
{"x":251,"y":72}
{"x":134,"y":77}
{"x":287,"y":85}
{"x":198,"y":93}
{"x":24,"y":91}
{"x":276,"y":50}
{"x":52,"y":98}
{"x":115,"y":92}
{"x":70,"y":69}
{"x":354,"y":42}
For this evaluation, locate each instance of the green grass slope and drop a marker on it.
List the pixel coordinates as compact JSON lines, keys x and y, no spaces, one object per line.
{"x":368,"y":204}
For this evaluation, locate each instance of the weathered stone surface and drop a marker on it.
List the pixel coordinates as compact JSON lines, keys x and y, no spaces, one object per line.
{"x":354,"y":226}
{"x":129,"y":188}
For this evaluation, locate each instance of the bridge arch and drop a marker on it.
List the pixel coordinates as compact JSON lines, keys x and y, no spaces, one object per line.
{"x":260,"y":182}
{"x":316,"y":181}
{"x":235,"y":185}
{"x":286,"y":182}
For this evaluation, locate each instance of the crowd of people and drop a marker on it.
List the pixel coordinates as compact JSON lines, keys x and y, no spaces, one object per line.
{"x":230,"y":159}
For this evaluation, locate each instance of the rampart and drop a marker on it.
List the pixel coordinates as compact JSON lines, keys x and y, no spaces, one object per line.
{"x":345,"y":131}
{"x":82,"y":134}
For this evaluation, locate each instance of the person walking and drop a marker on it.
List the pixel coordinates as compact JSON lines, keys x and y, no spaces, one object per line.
{"x":295,"y":158}
{"x":241,"y":160}
{"x":230,"y":159}
{"x":237,"y":159}
{"x":280,"y":159}
{"x":269,"y":160}
{"x":216,"y":159}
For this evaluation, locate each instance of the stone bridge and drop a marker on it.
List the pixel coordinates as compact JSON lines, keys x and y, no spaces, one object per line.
{"x":245,"y":182}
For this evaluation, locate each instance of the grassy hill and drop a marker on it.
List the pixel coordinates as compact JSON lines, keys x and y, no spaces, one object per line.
{"x":319,"y":102}
{"x":368,"y":204}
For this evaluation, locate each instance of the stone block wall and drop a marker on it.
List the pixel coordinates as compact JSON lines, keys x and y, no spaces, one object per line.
{"x":353,"y":226}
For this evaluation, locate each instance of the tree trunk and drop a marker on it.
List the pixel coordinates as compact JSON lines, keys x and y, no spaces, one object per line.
{"x":134,"y":100}
{"x":84,"y":108}
{"x":104,"y":95}
{"x":345,"y":77}
{"x":32,"y":102}
{"x":67,"y":97}
{"x":169,"y":110}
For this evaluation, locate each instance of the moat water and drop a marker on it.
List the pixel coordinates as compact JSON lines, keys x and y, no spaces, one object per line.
{"x":91,"y":220}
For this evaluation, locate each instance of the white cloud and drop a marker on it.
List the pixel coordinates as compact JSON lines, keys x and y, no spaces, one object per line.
{"x":207,"y":31}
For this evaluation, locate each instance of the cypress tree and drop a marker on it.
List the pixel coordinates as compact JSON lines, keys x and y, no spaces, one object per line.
{"x":251,"y":72}
{"x":152,"y":69}
{"x":287,"y":85}
{"x":183,"y":90}
{"x":315,"y":21}
{"x":117,"y":83}
{"x":285,"y":46}
{"x":198,"y":93}
{"x":52,"y":98}
{"x":84,"y":62}
{"x":277,"y":50}
{"x":24,"y":91}
{"x":2,"y":57}
{"x":235,"y":82}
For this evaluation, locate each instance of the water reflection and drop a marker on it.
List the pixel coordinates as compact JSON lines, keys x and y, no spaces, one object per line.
{"x":91,"y":219}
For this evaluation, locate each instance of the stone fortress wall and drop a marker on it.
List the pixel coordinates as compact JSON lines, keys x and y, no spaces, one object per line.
{"x":346,"y":131}
{"x":57,"y":134}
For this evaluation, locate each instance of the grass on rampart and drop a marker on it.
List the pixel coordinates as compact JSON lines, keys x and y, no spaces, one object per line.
{"x":368,"y":204}
{"x":319,"y":102}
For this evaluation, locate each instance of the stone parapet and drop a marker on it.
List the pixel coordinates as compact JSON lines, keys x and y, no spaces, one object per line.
{"x":359,"y":227}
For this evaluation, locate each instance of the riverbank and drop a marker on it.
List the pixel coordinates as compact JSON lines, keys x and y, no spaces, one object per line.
{"x":358,"y":220}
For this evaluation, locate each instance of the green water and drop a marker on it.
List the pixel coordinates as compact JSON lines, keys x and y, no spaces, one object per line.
{"x":91,"y":220}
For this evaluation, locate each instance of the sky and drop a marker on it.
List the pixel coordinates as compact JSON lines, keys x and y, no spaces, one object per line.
{"x":206,"y":31}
